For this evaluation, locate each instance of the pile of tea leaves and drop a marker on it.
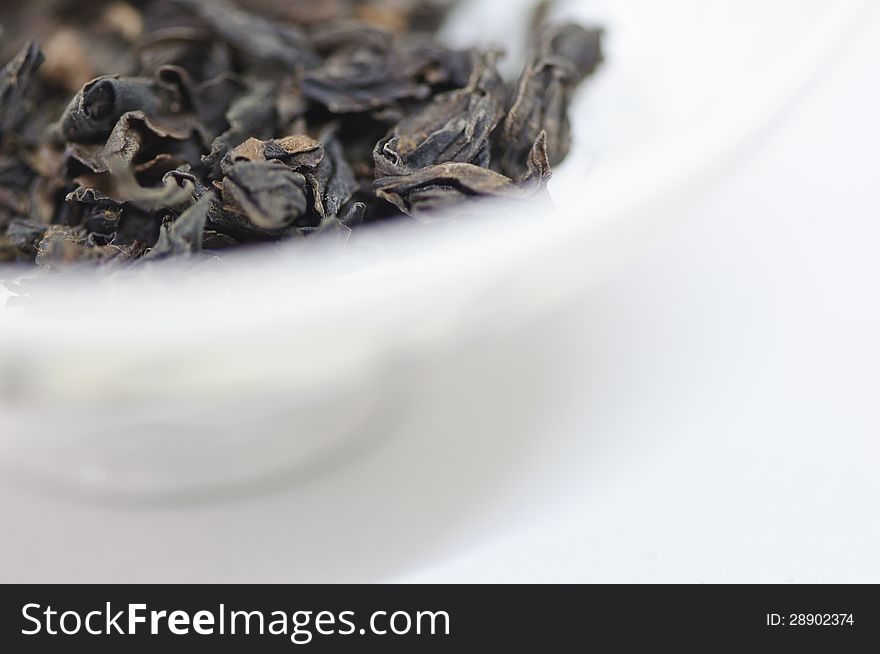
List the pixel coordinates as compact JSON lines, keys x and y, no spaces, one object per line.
{"x":154,"y":128}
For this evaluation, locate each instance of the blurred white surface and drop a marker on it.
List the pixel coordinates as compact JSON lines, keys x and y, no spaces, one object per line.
{"x":714,"y":416}
{"x":729,"y":419}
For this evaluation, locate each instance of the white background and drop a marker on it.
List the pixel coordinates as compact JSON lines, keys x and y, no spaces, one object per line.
{"x":729,"y":426}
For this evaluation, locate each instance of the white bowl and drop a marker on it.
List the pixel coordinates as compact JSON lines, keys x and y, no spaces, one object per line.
{"x":417,"y":371}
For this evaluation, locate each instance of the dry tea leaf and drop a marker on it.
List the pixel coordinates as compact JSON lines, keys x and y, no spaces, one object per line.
{"x":562,"y":57}
{"x":445,"y":185}
{"x":455,"y":127}
{"x":270,"y":195}
{"x":297,"y":152}
{"x":252,"y":115}
{"x":254,"y":37}
{"x":94,"y":111}
{"x":16,"y":79}
{"x":185,"y":234}
{"x":171,"y":127}
{"x":332,"y":182}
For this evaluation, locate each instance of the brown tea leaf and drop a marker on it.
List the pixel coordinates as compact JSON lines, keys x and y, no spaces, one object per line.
{"x":16,"y":79}
{"x":562,"y":57}
{"x":455,"y":127}
{"x":172,"y":126}
{"x":184,"y":235}
{"x":270,"y":195}
{"x":297,"y":152}
{"x":445,"y":185}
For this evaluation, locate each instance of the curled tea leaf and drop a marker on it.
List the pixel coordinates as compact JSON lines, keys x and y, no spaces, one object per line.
{"x":107,"y":221}
{"x":368,"y":72}
{"x":270,"y":195}
{"x":121,"y":185}
{"x":445,"y":185}
{"x":62,"y":246}
{"x":252,"y":115}
{"x":94,"y":111}
{"x":455,"y":127}
{"x":562,"y":57}
{"x":254,"y":37}
{"x":354,"y":216}
{"x":538,"y":166}
{"x":16,"y":79}
{"x":24,"y":236}
{"x":421,"y":15}
{"x":332,"y":182}
{"x":297,"y":152}
{"x":184,"y":235}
